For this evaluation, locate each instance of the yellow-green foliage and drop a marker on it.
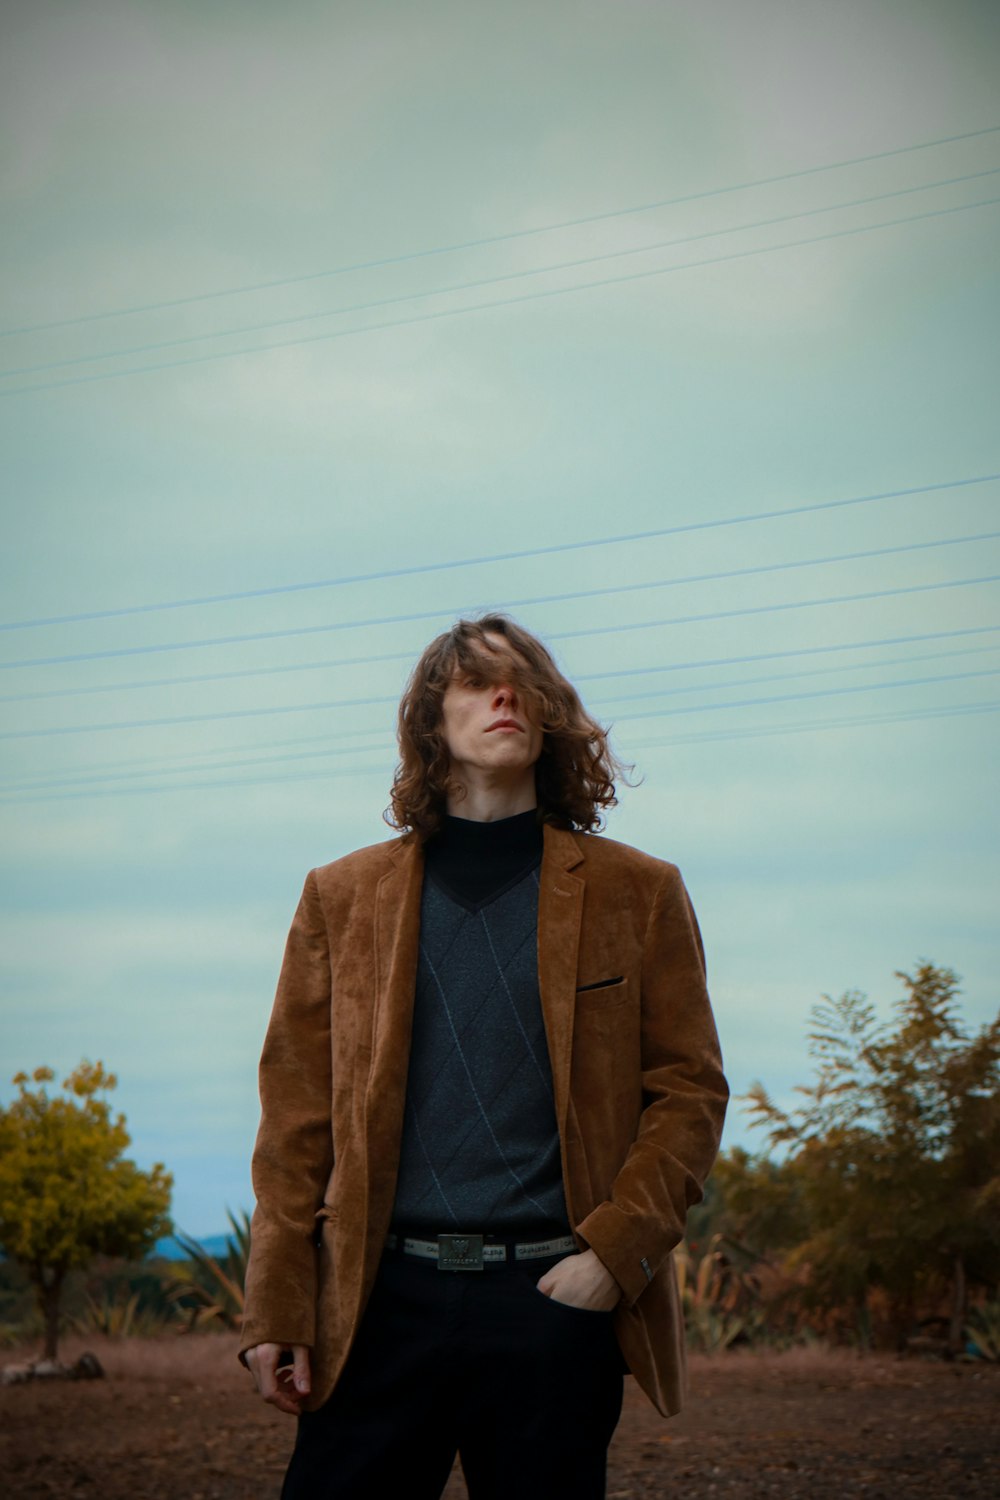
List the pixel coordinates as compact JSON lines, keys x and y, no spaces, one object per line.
{"x":891,"y":1172}
{"x":67,"y":1193}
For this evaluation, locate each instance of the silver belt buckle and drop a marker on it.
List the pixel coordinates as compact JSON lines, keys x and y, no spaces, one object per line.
{"x":460,"y":1252}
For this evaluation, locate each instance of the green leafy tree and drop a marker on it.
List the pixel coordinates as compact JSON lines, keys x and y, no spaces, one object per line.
{"x":67,"y":1193}
{"x":896,"y":1149}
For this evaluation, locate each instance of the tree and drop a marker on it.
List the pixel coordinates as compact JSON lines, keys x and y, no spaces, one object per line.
{"x":67,"y":1194}
{"x":896,"y":1149}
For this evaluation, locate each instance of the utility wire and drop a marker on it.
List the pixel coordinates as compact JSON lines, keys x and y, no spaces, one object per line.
{"x":386,"y":747}
{"x":494,"y":239}
{"x":348,"y":772}
{"x":838,"y":692}
{"x":176,"y":762}
{"x":395,"y":656}
{"x":383,"y":747}
{"x":742,"y":682}
{"x":245,"y":759}
{"x":764,"y":609}
{"x":433,"y":614}
{"x":496,"y":557}
{"x":769,"y":730}
{"x":161,"y":764}
{"x":198,"y":677}
{"x":231,"y":713}
{"x":127,"y":791}
{"x":729,"y":661}
{"x":325,"y":705}
{"x":478,"y":283}
{"x":494,"y":303}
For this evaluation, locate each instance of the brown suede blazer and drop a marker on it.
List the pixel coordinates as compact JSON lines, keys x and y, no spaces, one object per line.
{"x":640,"y":1095}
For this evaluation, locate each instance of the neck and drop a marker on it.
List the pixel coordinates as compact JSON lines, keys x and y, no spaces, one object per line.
{"x":483,"y":801}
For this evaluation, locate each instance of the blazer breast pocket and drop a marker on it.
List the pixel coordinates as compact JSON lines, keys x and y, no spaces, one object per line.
{"x":601,"y":993}
{"x":600,"y":984}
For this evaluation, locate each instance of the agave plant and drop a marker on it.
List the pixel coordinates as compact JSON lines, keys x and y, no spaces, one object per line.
{"x":209,"y":1289}
{"x":716,"y":1298}
{"x":119,"y":1315}
{"x":982,"y":1332}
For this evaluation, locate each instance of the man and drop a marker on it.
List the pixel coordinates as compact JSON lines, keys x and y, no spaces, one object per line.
{"x":491,"y":1088}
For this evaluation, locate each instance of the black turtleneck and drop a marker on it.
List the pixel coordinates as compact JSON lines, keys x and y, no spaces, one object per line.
{"x":476,"y":862}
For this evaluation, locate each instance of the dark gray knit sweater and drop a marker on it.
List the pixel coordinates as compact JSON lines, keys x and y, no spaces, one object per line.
{"x":480,"y":1148}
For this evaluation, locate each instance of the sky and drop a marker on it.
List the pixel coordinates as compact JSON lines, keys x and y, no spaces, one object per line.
{"x":670,"y":328}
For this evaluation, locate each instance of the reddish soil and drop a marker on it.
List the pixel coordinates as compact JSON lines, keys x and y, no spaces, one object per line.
{"x":176,"y":1420}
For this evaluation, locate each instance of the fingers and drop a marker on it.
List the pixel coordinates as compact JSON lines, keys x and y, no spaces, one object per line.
{"x":582,"y":1281}
{"x":284,"y":1387}
{"x":263,"y":1362}
{"x":300,"y":1369}
{"x":548,"y":1283}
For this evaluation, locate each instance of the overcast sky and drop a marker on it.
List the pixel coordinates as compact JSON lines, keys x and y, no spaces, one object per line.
{"x":594,"y":312}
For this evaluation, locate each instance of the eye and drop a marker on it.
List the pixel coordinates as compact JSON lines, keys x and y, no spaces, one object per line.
{"x":474,"y":680}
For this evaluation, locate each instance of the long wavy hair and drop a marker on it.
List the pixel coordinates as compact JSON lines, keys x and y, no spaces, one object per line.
{"x":576,"y":771}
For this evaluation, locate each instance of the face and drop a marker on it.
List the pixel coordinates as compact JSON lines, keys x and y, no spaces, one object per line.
{"x":487,"y":727}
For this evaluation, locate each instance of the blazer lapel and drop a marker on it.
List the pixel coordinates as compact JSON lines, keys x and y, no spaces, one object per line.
{"x":560,"y":909}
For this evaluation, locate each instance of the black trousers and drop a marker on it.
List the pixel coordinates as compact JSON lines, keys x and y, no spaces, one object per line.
{"x":526,"y":1390}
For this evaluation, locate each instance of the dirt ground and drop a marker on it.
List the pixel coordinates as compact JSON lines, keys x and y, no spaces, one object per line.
{"x":176,"y":1420}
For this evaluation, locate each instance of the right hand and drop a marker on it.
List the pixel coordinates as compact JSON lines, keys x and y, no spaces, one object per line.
{"x":286,"y":1388}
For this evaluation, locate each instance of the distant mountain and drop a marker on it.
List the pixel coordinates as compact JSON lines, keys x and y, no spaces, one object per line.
{"x":168,"y":1249}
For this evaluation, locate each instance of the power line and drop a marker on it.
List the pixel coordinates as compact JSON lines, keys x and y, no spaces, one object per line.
{"x":509,"y":235}
{"x":200,"y":677}
{"x":839,"y":692}
{"x":764,"y":609}
{"x":496,"y":557}
{"x":777,"y":730}
{"x":326,"y":705}
{"x":188,"y":786}
{"x":387,"y":747}
{"x":381,"y":770}
{"x":494,"y":303}
{"x":248,"y":756}
{"x":226,"y":765}
{"x":729,"y":661}
{"x":396,"y":656}
{"x":163,"y":764}
{"x":197,"y":677}
{"x":716,"y":687}
{"x":478,"y":283}
{"x":180,"y":761}
{"x":232,"y":713}
{"x":433,"y":614}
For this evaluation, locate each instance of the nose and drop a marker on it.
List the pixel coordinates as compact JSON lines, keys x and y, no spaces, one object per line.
{"x":504,"y":694}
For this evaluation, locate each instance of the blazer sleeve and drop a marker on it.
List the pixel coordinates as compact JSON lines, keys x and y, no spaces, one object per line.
{"x":684,"y":1101}
{"x":293,"y":1156}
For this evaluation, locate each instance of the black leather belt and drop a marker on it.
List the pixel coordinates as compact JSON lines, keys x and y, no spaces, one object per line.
{"x":467,"y":1252}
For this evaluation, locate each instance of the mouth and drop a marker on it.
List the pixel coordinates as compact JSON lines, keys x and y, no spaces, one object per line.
{"x":508,"y":724}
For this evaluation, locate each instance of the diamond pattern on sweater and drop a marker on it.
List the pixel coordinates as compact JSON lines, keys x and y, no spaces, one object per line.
{"x":480,"y":1146}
